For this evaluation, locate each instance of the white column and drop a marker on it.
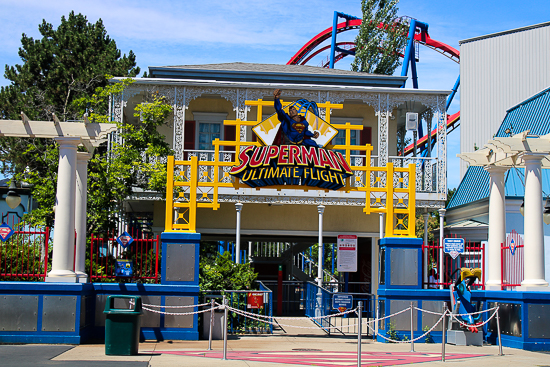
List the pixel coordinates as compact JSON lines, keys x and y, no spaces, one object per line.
{"x":63,"y":239}
{"x":80,"y":215}
{"x":425,"y":278}
{"x":441,"y":269}
{"x":239,"y":208}
{"x":381,"y":224}
{"x":320,"y":210}
{"x":533,"y":228}
{"x":374,"y":265}
{"x":497,"y":226}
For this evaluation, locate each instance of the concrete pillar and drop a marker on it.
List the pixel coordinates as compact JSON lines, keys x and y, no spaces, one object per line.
{"x":63,"y":241}
{"x":320,"y":210}
{"x":497,"y":226}
{"x":238,"y":208}
{"x":426,"y":215}
{"x":80,"y":215}
{"x":441,"y":269}
{"x":533,"y":228}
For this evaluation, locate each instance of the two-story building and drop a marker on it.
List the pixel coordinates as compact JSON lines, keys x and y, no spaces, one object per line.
{"x":204,"y":96}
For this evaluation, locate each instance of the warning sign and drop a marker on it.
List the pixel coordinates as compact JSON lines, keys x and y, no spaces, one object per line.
{"x":347,"y":253}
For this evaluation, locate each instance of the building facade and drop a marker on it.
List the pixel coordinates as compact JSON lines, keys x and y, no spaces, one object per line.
{"x":204,"y":96}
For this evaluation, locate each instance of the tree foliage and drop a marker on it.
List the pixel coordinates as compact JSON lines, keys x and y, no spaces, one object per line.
{"x":381,"y":38}
{"x":66,"y":64}
{"x":67,"y":72}
{"x":221,"y":273}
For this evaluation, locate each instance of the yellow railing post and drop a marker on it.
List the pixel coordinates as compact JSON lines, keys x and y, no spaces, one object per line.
{"x":389,"y":200}
{"x":169,"y":194}
{"x":412,"y":200}
{"x":193,"y":180}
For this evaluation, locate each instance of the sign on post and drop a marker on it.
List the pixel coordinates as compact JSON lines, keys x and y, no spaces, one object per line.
{"x":124,"y":268}
{"x":347,"y":253}
{"x":513,"y":240}
{"x":453,"y":246}
{"x":342,"y":301}
{"x":255,"y":300}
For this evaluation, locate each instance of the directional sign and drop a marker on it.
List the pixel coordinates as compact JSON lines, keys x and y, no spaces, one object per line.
{"x":125,"y":239}
{"x":342,"y":301}
{"x":453,"y":246}
{"x":5,"y":232}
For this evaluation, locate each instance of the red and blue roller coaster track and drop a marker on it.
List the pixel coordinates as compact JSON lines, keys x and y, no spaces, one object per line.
{"x":312,"y":49}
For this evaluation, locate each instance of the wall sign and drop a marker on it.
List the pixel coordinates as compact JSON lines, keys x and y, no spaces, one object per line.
{"x":292,"y":165}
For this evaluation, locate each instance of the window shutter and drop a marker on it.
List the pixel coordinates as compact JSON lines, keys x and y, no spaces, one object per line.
{"x":189,"y":137}
{"x":366,"y":135}
{"x":229,"y":133}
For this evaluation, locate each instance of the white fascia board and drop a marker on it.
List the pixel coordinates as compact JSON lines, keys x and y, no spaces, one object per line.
{"x":317,"y":87}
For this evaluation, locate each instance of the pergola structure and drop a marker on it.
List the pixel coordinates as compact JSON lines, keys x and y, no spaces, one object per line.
{"x":70,"y":208}
{"x":497,"y":156}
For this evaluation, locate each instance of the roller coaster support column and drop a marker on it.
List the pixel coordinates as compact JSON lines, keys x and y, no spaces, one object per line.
{"x":333,"y":47}
{"x":409,"y":52}
{"x":451,"y":96}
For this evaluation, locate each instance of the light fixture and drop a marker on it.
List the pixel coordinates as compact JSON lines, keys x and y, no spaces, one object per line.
{"x":522,"y":208}
{"x":12,"y":198}
{"x":546,"y":211}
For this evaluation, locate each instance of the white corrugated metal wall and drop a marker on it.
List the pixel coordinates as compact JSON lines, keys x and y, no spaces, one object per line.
{"x":497,"y":72}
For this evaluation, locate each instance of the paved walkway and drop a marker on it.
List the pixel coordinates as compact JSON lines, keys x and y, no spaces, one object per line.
{"x":297,"y":347}
{"x":279,"y":351}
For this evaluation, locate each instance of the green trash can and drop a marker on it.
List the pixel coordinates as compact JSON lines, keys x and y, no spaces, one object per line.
{"x":122,"y":327}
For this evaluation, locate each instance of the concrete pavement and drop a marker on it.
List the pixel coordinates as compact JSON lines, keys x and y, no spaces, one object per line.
{"x":289,"y":347}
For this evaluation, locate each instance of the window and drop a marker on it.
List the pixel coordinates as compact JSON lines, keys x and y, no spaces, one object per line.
{"x":355,"y":135}
{"x":209,"y":126}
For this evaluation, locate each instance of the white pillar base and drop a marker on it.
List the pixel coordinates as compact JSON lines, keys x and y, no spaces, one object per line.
{"x":81,"y":277}
{"x":533,"y":284}
{"x":61,"y":276}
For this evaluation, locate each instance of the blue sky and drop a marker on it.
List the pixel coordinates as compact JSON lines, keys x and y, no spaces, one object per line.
{"x":212,"y":31}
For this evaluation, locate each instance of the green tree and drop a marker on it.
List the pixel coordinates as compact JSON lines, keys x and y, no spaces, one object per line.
{"x":381,"y":38}
{"x":66,"y":64}
{"x":221,"y":273}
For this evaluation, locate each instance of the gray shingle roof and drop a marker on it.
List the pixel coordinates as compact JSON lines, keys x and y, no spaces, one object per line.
{"x":270,"y":68}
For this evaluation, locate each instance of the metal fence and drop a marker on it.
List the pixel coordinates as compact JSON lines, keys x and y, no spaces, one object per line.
{"x":239,"y":299}
{"x":24,"y":255}
{"x":292,"y":296}
{"x":107,"y":254}
{"x":472,"y":257}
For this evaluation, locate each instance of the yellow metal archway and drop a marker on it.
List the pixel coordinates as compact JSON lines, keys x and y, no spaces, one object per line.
{"x":195,"y":183}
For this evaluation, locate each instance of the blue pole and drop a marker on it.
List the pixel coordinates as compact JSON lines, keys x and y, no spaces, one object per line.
{"x":408,"y":53}
{"x":333,"y":41}
{"x":451,"y":96}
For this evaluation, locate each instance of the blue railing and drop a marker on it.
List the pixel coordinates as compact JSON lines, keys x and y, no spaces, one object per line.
{"x":318,"y":303}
